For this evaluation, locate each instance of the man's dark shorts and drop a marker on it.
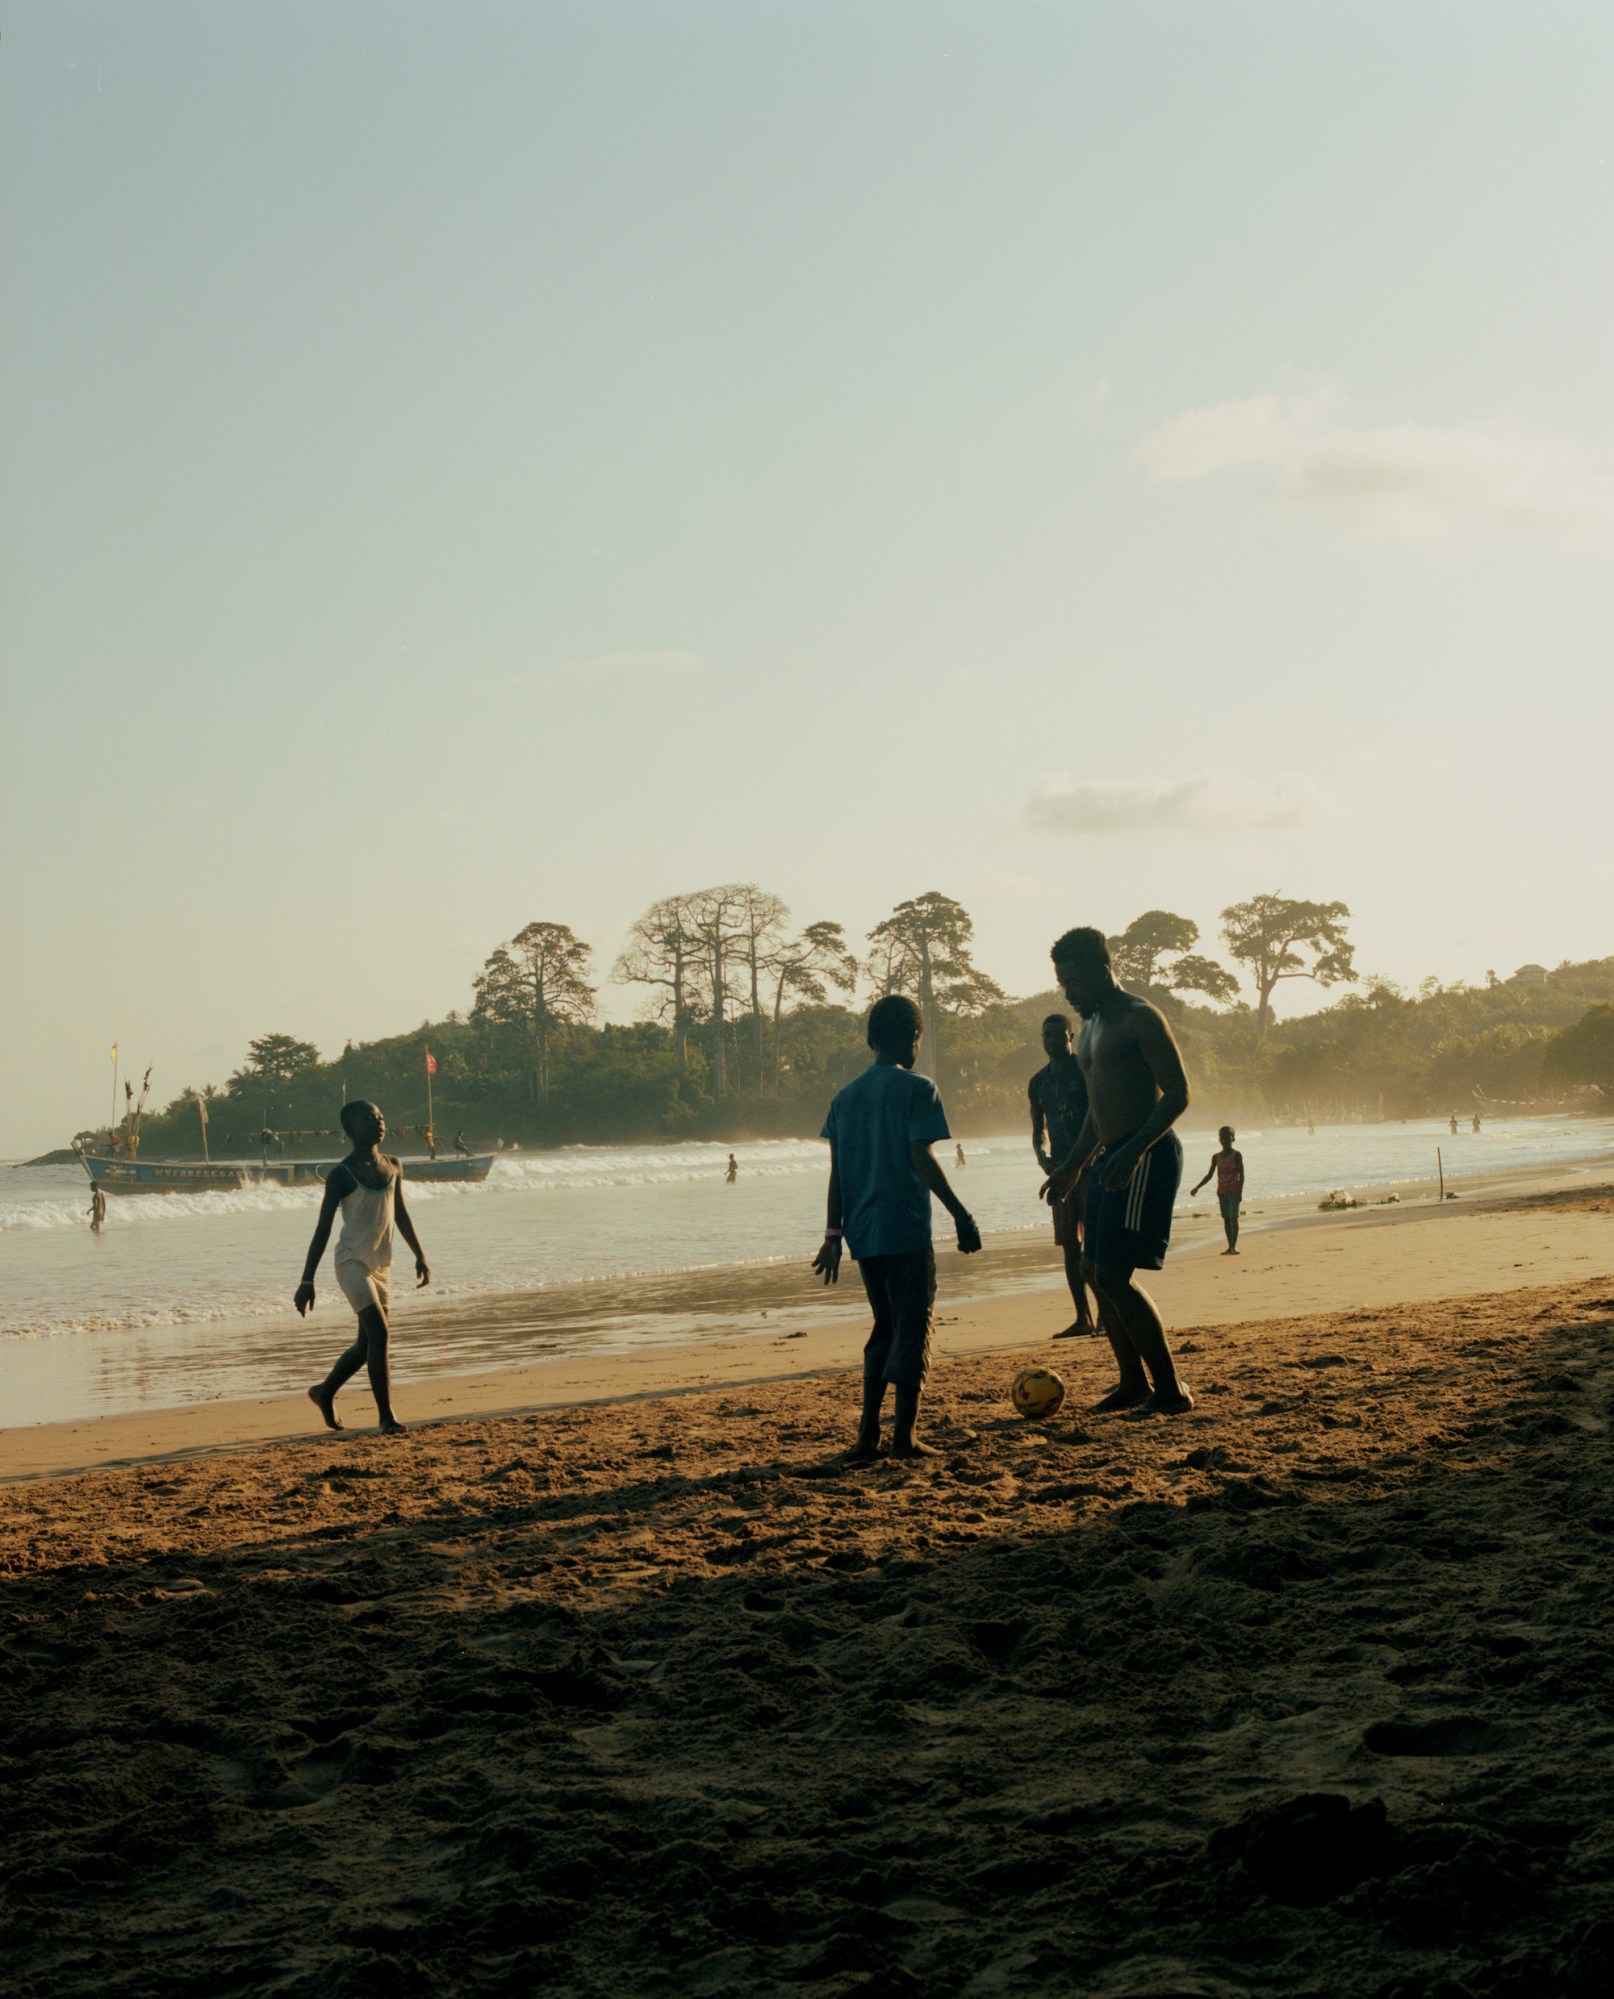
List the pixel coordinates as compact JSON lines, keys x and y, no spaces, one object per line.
{"x":902,"y":1290}
{"x":1130,"y":1227}
{"x":1068,"y":1214}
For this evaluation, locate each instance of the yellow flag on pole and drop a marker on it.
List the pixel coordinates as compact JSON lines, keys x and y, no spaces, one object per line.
{"x":114,"y":1052}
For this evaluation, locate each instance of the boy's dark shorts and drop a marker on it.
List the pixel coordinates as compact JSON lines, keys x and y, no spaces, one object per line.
{"x":902,"y":1290}
{"x":1229,"y":1205}
{"x":1131,"y":1227}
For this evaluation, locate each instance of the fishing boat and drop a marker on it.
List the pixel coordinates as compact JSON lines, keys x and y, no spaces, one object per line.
{"x":216,"y":1176}
{"x":133,"y":1175}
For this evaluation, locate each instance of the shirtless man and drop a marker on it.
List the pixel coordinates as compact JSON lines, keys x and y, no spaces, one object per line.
{"x":1058,"y":1099}
{"x":1136,"y":1091}
{"x":368,"y":1189}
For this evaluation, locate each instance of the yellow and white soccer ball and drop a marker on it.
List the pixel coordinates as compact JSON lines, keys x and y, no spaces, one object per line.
{"x":1037,"y":1392}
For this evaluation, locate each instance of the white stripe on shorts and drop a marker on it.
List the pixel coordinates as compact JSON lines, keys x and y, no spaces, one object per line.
{"x":1135,"y":1193}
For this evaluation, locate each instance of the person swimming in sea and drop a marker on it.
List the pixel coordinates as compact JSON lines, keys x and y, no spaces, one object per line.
{"x":367,"y":1188}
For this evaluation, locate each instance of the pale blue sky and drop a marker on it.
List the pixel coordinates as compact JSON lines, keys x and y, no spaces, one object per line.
{"x":473,"y":463}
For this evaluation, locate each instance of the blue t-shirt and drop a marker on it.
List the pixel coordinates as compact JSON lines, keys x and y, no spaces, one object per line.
{"x":872,"y":1123}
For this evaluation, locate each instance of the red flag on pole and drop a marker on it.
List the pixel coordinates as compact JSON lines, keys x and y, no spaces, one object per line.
{"x":431,"y":1063}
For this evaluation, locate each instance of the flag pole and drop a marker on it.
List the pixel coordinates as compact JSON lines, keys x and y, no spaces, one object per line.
{"x":111,"y":1130}
{"x":430,"y":1065}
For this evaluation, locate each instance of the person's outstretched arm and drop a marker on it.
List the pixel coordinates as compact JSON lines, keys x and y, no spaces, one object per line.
{"x":928,"y":1167}
{"x":827,"y":1263}
{"x":1209,"y":1170}
{"x":406,"y":1229}
{"x":338,"y":1185}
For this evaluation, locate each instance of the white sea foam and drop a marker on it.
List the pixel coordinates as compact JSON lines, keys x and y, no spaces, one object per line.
{"x":546,"y":1220}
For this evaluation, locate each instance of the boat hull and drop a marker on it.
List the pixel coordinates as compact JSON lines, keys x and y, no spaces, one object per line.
{"x":223,"y":1176}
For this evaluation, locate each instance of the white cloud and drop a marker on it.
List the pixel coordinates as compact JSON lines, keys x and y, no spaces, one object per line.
{"x":1206,"y":803}
{"x":631,"y":662}
{"x":602,"y":664}
{"x":1409,"y":481}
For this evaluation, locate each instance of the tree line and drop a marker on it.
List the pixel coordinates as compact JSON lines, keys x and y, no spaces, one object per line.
{"x":749,"y":1022}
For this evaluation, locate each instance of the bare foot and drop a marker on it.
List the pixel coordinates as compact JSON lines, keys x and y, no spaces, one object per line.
{"x":325,"y":1403}
{"x":1121,"y":1396}
{"x":911,"y":1448}
{"x":864,"y":1451}
{"x":391,"y":1427}
{"x":1159,"y":1404}
{"x":1080,"y":1331}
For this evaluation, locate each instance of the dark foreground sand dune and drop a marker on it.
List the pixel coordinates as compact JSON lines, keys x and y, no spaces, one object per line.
{"x":1311,"y":1693}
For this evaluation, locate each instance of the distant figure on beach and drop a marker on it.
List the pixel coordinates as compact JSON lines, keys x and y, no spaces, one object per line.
{"x":460,"y":1146}
{"x":1452,"y":1121}
{"x":958,"y":1156}
{"x":1311,"y":1128}
{"x":1136,"y":1091}
{"x":368,"y":1188}
{"x":1476,"y":1124}
{"x":97,"y":1207}
{"x":1058,"y":1096}
{"x":1228,"y":1166}
{"x":731,"y":1172}
{"x":882,"y":1173}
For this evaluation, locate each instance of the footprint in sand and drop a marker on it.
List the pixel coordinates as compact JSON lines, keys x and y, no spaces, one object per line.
{"x":1444,"y":1735}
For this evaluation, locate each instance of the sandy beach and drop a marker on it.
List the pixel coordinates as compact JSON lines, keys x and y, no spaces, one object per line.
{"x":1305,"y":1693}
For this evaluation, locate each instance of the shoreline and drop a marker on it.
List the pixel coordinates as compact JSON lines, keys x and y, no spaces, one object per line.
{"x":1387,"y":1255}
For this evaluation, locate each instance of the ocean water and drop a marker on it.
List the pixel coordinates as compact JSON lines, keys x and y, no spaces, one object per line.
{"x":186,"y":1297}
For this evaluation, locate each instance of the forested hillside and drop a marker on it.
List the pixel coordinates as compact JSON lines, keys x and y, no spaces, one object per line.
{"x":750,"y":1025}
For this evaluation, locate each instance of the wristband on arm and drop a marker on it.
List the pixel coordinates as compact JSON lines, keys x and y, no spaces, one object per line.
{"x":832,"y":1235}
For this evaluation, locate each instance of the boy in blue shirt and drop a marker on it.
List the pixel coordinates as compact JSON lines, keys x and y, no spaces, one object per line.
{"x":882,"y":1173}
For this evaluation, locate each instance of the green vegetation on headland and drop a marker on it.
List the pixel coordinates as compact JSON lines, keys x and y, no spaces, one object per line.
{"x":753,"y":1025}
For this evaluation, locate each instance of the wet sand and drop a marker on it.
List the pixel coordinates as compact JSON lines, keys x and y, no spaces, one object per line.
{"x":1304,"y":1262}
{"x":1306,"y":1693}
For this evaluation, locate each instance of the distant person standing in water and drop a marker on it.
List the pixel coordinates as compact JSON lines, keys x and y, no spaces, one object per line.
{"x":1136,"y":1091}
{"x":97,"y":1207}
{"x":732,"y":1171}
{"x":882,"y":1173}
{"x":368,"y":1189}
{"x":1058,"y":1098}
{"x":1228,"y":1166}
{"x":958,"y":1156}
{"x":1476,"y":1124}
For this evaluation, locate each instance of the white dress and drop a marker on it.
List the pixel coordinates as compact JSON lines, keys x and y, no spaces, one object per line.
{"x":364,"y":1248}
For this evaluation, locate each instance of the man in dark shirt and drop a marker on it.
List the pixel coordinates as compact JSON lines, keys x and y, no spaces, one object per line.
{"x":1058,"y":1094}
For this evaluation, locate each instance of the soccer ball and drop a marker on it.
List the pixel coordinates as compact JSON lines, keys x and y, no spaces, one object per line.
{"x":1037,"y":1391}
